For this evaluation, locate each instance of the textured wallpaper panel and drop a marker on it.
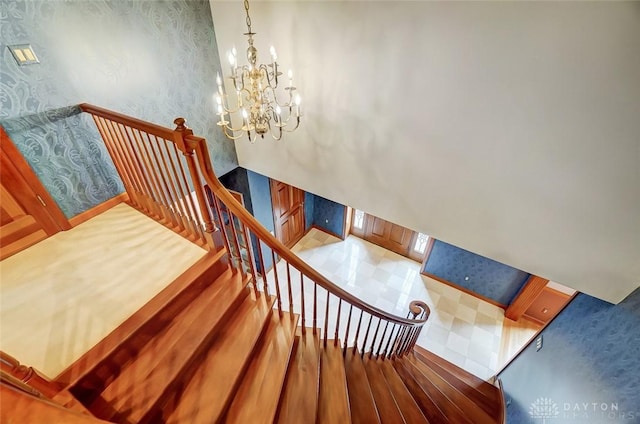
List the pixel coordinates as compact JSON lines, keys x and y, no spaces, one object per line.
{"x":486,"y":277}
{"x":588,"y":367}
{"x":65,"y":151}
{"x":155,"y":60}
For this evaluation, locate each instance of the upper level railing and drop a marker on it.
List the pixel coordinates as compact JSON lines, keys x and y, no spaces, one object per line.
{"x":146,"y":156}
{"x":158,"y":180}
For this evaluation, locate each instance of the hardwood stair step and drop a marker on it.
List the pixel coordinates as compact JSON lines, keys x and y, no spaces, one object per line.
{"x":133,"y":396}
{"x":363,"y":405}
{"x":94,"y":370}
{"x":333,"y":399}
{"x":410,"y":409}
{"x":488,"y":390}
{"x":385,"y":403}
{"x":457,"y":391}
{"x":443,"y":399}
{"x":489,"y":406}
{"x":427,"y":405}
{"x":299,"y":398}
{"x":263,"y":382}
{"x":206,"y":397}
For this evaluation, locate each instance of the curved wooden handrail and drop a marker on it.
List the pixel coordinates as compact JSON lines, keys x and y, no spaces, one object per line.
{"x":27,"y":375}
{"x":202,"y":154}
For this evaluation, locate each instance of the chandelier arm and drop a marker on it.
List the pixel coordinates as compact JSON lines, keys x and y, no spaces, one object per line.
{"x":231,"y":136}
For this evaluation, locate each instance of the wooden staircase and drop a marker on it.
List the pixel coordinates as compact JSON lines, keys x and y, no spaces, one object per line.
{"x":217,"y":353}
{"x":224,"y":344}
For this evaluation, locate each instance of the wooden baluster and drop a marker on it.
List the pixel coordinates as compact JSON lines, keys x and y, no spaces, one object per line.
{"x":126,"y":162}
{"x":375,"y":336}
{"x":288,"y":285}
{"x":135,"y":167}
{"x":386,"y":326}
{"x":326,"y":320}
{"x":252,"y":262}
{"x":302,"y":307}
{"x":355,"y":340}
{"x":335,"y":340}
{"x":236,"y":244}
{"x":402,"y":340}
{"x":153,"y":168}
{"x":276,"y":279}
{"x":346,"y":332}
{"x":151,"y":175}
{"x":366,"y":336}
{"x":223,"y":229}
{"x":117,"y":160}
{"x":315,"y":307}
{"x":193,"y":210}
{"x":152,"y":207}
{"x":170,"y":203}
{"x":391,"y":338}
{"x":264,"y":276}
{"x":179,"y":195}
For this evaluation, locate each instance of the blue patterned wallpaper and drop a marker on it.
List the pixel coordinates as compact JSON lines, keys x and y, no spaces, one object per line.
{"x":64,"y":150}
{"x":154,"y":60}
{"x":588,"y":370}
{"x":329,"y":215}
{"x":488,"y":278}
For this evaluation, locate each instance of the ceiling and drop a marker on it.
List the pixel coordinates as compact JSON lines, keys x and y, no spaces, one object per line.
{"x":510,"y":129}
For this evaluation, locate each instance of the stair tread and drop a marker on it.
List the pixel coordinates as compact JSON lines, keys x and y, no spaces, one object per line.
{"x":439,"y":397}
{"x":411,"y":411}
{"x":363,"y":405}
{"x":385,"y":402}
{"x":262,"y":383}
{"x":488,"y":390}
{"x":333,"y":399}
{"x":144,"y":381}
{"x":208,"y":394}
{"x":459,"y":398}
{"x":427,"y":405}
{"x":299,"y":398}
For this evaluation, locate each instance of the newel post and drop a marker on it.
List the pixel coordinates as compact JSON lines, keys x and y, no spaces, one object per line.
{"x":179,"y":137}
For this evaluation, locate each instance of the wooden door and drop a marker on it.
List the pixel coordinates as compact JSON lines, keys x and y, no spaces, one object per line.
{"x":288,"y":212}
{"x":388,"y":235}
{"x":27,"y":212}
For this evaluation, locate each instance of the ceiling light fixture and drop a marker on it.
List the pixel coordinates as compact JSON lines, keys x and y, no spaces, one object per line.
{"x":255,"y":98}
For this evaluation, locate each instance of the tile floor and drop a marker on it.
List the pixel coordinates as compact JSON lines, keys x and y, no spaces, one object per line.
{"x":463,"y":329}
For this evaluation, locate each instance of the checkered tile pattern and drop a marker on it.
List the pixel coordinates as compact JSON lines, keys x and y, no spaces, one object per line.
{"x":462,"y":329}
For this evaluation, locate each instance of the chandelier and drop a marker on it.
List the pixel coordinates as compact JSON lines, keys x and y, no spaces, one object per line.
{"x":254,"y":98}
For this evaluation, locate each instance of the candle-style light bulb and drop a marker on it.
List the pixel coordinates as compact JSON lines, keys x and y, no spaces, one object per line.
{"x":218,"y":80}
{"x":298,"y":100}
{"x":278,"y":110}
{"x":274,"y":56}
{"x":244,"y":113}
{"x":232,"y":59}
{"x":290,"y":74}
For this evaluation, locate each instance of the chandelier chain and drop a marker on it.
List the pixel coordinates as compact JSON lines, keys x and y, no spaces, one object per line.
{"x":246,"y":8}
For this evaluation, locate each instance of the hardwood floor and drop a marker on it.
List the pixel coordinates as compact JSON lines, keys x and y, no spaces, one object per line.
{"x":61,"y":296}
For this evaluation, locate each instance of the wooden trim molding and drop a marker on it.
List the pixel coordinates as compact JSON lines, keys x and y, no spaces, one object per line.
{"x":324,"y":230}
{"x":530,"y":291}
{"x":97,"y":210}
{"x":346,"y":224}
{"x":56,"y":220}
{"x":463,"y":289}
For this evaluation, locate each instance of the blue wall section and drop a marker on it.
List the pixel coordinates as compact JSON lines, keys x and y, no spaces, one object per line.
{"x":238,"y":180}
{"x":308,"y":209}
{"x":262,"y":211}
{"x":329,"y":216}
{"x":488,"y":278}
{"x":155,"y":60}
{"x":588,"y":367}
